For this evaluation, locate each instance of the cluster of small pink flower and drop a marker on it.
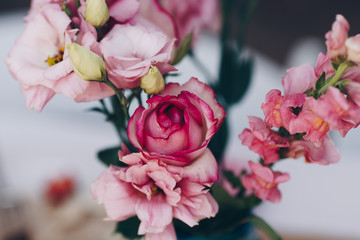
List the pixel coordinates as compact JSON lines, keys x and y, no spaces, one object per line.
{"x":316,"y":99}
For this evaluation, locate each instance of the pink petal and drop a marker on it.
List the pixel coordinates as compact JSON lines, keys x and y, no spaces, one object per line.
{"x":155,"y":215}
{"x":167,"y":234}
{"x":203,"y":170}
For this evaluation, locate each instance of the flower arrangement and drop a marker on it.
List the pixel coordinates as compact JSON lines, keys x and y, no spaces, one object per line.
{"x":166,"y":180}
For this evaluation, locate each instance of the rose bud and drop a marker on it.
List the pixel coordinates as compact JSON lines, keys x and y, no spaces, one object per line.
{"x":87,"y":65}
{"x":96,"y":12}
{"x":152,"y":82}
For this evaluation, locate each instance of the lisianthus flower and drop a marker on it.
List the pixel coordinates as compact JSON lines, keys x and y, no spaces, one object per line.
{"x":123,"y":10}
{"x":154,"y":192}
{"x":264,"y":182}
{"x":336,"y":110}
{"x":324,"y":154}
{"x":335,"y":39}
{"x":39,"y":56}
{"x":194,"y":16}
{"x":262,"y":140}
{"x":36,"y":7}
{"x":178,"y":124}
{"x":139,"y":49}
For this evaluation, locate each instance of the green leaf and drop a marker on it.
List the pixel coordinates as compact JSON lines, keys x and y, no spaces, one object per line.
{"x":110,"y":156}
{"x":129,"y":228}
{"x":320,"y":82}
{"x":235,"y":75}
{"x":283,"y":132}
{"x":183,"y":49}
{"x":342,"y":85}
{"x":335,"y":65}
{"x":266,"y":228}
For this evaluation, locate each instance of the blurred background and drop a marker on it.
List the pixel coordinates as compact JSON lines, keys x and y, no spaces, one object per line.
{"x":39,"y":150}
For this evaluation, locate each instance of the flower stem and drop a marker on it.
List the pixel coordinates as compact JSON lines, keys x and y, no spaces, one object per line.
{"x":335,"y":78}
{"x":120,"y":96}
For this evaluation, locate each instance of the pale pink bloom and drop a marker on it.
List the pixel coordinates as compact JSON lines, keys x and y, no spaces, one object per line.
{"x":37,"y":5}
{"x":41,"y":63}
{"x":156,"y":193}
{"x":299,"y":79}
{"x":45,"y":36}
{"x":262,"y":140}
{"x":123,"y":10}
{"x":324,"y":154}
{"x":335,"y":39}
{"x":152,"y":15}
{"x":78,"y":89}
{"x":139,"y":49}
{"x":194,"y":16}
{"x":336,"y":110}
{"x":264,"y":182}
{"x":353,"y":48}
{"x":178,"y":124}
{"x":271,"y":107}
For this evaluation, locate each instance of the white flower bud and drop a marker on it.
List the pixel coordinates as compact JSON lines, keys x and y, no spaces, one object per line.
{"x":152,"y":82}
{"x":87,"y":65}
{"x":96,"y":12}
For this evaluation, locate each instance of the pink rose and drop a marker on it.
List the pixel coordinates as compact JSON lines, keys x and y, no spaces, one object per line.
{"x":262,"y":140}
{"x":194,"y":16}
{"x":178,"y":124}
{"x":130,"y":51}
{"x":264,"y":182}
{"x":156,"y":193}
{"x":335,"y":39}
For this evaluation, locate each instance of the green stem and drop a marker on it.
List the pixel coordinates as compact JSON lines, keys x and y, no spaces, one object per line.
{"x":335,"y":78}
{"x":262,"y":225}
{"x":120,"y":96}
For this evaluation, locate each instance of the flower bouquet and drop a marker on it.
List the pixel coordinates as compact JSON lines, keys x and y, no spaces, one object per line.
{"x":165,"y":179}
